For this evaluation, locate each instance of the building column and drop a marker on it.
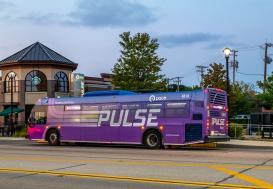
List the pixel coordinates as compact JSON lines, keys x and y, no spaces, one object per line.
{"x":51,"y":88}
{"x":21,"y":99}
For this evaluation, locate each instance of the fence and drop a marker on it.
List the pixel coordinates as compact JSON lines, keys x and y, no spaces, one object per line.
{"x":237,"y":130}
{"x":5,"y":129}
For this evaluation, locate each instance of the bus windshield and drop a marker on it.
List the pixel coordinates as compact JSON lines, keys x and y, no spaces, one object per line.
{"x":38,"y":115}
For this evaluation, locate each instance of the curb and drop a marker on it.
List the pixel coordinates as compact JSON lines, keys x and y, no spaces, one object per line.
{"x":12,"y":139}
{"x":243,"y":146}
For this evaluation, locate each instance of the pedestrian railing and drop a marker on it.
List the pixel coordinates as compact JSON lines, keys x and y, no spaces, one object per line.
{"x":6,"y":130}
{"x":237,"y":130}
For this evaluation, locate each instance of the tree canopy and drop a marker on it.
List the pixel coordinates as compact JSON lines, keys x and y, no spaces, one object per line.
{"x":242,"y":96}
{"x":266,"y":98}
{"x":215,"y":76}
{"x":138,"y":66}
{"x":242,"y":99}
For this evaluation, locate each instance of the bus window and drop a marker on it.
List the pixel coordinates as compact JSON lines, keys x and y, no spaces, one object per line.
{"x":38,"y":118}
{"x":131,"y":106}
{"x":159,"y":106}
{"x":73,"y":107}
{"x":38,"y":115}
{"x":109,"y":106}
{"x":177,"y":109}
{"x":91,"y":107}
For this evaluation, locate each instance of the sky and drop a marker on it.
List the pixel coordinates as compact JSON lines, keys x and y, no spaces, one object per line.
{"x":189,"y":32}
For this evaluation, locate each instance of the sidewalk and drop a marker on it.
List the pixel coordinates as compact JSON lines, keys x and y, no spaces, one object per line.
{"x":247,"y":143}
{"x":12,"y":138}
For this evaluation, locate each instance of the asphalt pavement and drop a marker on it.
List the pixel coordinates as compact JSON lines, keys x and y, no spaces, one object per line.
{"x":24,"y":164}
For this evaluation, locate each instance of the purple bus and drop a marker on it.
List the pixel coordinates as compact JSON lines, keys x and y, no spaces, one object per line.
{"x":151,"y":119}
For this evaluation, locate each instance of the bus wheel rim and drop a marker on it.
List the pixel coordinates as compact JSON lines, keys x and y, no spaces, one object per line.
{"x":152,"y":140}
{"x":53,"y":137}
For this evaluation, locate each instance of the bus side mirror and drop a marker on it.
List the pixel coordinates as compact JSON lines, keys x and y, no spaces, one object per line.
{"x":29,"y":122}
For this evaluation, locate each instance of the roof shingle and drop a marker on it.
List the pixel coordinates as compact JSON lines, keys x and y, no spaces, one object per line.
{"x":36,"y":52}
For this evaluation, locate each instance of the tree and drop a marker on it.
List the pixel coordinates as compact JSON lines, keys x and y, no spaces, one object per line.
{"x":242,"y":96}
{"x":174,"y":87}
{"x":242,"y":99}
{"x":139,"y":66}
{"x":215,"y":76}
{"x":266,"y":99}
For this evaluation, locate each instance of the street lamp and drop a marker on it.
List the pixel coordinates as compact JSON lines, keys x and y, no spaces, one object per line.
{"x":227,"y":53}
{"x":12,"y":77}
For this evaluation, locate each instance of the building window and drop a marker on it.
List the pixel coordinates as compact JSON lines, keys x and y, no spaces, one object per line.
{"x":61,"y":84}
{"x":11,"y":79}
{"x":36,"y":81}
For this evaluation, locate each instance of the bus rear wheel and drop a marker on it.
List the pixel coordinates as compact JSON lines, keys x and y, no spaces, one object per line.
{"x":152,"y":139}
{"x":53,"y":138}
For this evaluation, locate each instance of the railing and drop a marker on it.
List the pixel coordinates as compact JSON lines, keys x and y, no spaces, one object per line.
{"x":237,"y":130}
{"x":6,"y":130}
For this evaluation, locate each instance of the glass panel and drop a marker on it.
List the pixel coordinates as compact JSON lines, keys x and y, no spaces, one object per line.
{"x":177,"y":109}
{"x":38,"y":118}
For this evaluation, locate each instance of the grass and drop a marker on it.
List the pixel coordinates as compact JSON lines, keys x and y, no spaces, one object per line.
{"x":21,"y":132}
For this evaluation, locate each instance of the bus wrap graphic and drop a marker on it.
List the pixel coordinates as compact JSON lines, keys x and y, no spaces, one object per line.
{"x":142,"y":117}
{"x":170,"y":118}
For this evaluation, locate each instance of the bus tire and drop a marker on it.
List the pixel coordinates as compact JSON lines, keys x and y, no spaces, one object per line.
{"x":152,"y":139}
{"x":53,"y":137}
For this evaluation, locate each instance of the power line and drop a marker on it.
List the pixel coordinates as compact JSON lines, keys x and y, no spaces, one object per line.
{"x":251,"y":74}
{"x":177,"y":80}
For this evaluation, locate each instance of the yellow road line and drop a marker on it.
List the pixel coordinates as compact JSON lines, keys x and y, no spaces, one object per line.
{"x":130,"y":179}
{"x":120,"y":162}
{"x":244,"y":177}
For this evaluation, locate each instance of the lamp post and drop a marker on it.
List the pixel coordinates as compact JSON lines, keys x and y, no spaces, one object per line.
{"x":12,"y":75}
{"x":227,"y":53}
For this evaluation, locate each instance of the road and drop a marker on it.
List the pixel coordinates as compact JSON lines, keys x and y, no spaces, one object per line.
{"x":24,"y":164}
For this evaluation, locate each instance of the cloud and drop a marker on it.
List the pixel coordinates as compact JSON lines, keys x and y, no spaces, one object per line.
{"x":223,"y":44}
{"x":5,"y":4}
{"x":171,"y":41}
{"x":38,"y":18}
{"x":113,"y":13}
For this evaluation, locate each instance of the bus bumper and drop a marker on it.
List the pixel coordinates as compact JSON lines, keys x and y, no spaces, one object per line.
{"x":217,"y":138}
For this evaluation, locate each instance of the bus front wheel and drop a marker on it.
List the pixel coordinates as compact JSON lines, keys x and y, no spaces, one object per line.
{"x":152,"y":139}
{"x":53,"y":137}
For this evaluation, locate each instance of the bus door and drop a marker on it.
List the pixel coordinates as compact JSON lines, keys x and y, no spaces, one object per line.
{"x":37,"y":121}
{"x":194,"y":131}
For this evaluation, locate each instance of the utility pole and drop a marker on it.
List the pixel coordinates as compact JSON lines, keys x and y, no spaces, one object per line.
{"x":267,"y":60}
{"x":201,"y":70}
{"x":234,"y":64}
{"x":176,"y":80}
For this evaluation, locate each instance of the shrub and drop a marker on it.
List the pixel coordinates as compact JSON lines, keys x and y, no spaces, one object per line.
{"x":235,"y":131}
{"x":20,"y":132}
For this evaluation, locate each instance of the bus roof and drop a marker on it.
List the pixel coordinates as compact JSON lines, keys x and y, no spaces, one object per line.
{"x":126,"y":96}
